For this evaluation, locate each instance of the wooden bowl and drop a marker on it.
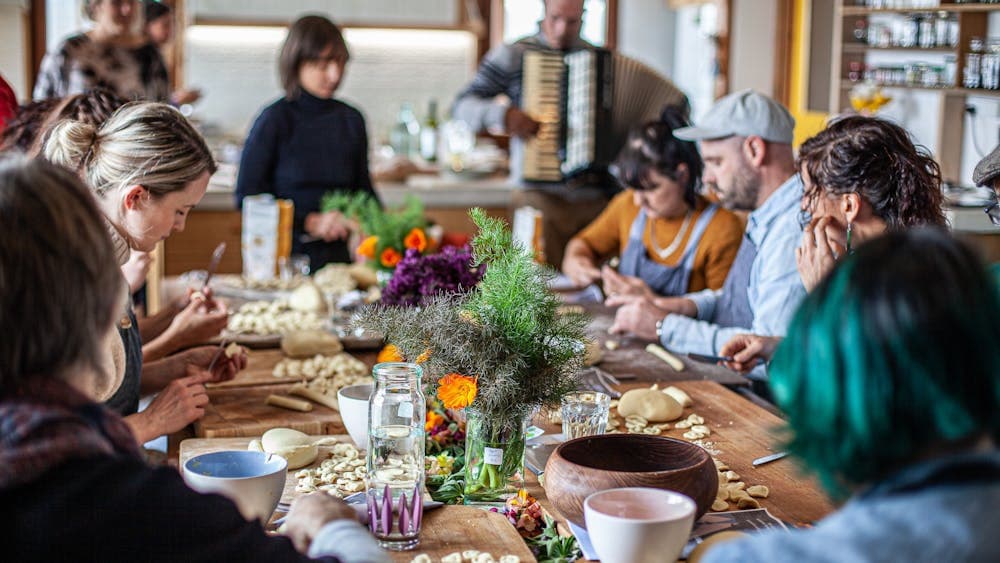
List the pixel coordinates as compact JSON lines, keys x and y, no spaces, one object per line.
{"x":586,"y":465}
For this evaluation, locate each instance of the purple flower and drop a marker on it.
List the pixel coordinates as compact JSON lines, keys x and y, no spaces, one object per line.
{"x":418,"y":277}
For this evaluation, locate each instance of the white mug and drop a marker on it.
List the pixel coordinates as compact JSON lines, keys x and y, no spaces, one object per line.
{"x":354,"y":407}
{"x":638,"y":525}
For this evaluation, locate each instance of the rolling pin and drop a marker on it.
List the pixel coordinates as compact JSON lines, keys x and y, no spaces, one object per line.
{"x":289,"y":403}
{"x":316,"y":396}
{"x":670,"y":359}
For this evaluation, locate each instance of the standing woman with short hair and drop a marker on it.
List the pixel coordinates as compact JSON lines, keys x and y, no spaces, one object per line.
{"x":148,"y":168}
{"x":112,"y":54}
{"x":308,"y":143}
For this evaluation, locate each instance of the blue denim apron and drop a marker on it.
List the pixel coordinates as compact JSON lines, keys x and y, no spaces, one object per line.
{"x":661,"y":278}
{"x":733,"y":308}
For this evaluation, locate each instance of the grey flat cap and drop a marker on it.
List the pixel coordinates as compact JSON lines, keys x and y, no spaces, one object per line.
{"x":988,"y":169}
{"x":746,"y":113}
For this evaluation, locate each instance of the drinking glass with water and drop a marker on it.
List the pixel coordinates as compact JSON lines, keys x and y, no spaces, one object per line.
{"x":584,"y":413}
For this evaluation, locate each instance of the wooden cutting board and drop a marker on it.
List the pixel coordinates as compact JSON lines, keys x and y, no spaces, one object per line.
{"x":445,"y":530}
{"x":260,"y":364}
{"x":241,"y":412}
{"x":462,"y":528}
{"x":631,"y":360}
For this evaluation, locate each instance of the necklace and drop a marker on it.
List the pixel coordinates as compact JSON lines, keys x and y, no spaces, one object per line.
{"x":669,"y":250}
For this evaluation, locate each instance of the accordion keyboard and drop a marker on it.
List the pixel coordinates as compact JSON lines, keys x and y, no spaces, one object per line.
{"x":542,"y":95}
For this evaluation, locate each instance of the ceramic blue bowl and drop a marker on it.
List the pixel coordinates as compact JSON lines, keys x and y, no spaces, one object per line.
{"x":252,"y":480}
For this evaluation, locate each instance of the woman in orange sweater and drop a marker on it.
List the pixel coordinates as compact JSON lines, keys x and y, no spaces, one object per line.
{"x":671,"y":241}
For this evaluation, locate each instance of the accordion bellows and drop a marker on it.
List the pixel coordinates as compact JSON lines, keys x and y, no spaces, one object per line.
{"x":586,"y":102}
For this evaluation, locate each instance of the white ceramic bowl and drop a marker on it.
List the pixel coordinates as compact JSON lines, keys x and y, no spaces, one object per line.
{"x":354,"y":406}
{"x":252,"y":480}
{"x":638,"y":525}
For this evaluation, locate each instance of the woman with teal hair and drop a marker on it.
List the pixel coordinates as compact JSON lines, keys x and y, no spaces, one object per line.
{"x":890,"y":377}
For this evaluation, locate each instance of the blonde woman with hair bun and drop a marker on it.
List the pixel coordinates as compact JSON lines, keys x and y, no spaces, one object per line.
{"x":148,"y":168}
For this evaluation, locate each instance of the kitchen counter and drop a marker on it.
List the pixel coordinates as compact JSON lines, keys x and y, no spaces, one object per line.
{"x":435,"y":191}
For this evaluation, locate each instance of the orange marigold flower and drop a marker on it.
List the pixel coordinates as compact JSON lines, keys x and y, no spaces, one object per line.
{"x":416,"y":238}
{"x":433,"y":421}
{"x":367,"y":247}
{"x":423,"y":357}
{"x":456,"y":391}
{"x":389,"y":354}
{"x":390,"y":257}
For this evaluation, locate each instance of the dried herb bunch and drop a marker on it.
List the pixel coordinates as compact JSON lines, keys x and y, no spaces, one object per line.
{"x":506,"y":332}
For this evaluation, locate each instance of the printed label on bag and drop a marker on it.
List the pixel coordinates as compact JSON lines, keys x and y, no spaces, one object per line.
{"x":405,"y":410}
{"x":493,"y":456}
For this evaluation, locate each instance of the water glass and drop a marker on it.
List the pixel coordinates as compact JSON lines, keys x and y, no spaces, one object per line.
{"x":584,"y":413}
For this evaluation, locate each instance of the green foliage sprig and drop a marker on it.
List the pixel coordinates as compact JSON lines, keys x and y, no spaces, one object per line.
{"x":506,"y":332}
{"x":390,"y":226}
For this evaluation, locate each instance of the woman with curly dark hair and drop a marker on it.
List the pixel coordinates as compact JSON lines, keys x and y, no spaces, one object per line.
{"x":862,"y":177}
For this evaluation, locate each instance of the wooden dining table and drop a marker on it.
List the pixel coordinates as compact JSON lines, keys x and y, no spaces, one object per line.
{"x":741,"y":432}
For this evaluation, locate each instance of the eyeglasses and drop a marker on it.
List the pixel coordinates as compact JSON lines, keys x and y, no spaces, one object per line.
{"x":993,"y":212}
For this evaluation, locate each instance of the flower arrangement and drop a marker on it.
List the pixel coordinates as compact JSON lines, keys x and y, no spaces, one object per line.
{"x":419,"y":277}
{"x":501,"y":351}
{"x":390,"y":233}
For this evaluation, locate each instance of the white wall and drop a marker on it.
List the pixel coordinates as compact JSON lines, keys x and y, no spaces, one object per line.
{"x":13,"y":55}
{"x":694,"y":57}
{"x":646,"y":31}
{"x":751,"y":47}
{"x":237,"y":69}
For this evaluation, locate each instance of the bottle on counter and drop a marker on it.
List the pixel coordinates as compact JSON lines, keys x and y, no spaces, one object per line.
{"x":429,"y":134}
{"x":405,"y":135}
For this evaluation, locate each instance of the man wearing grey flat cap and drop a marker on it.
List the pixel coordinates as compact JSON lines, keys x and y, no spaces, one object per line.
{"x":987,"y":174}
{"x":746,"y":144}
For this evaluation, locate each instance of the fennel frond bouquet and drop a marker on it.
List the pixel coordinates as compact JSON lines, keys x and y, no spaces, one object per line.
{"x":501,"y":348}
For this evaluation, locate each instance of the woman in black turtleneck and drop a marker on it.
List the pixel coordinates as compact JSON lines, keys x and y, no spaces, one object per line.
{"x":307,"y":143}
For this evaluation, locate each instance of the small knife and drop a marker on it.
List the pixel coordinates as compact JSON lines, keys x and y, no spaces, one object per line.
{"x":769,"y":458}
{"x":214,"y":263}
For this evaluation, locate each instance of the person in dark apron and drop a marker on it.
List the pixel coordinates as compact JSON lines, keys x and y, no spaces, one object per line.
{"x":147,"y":167}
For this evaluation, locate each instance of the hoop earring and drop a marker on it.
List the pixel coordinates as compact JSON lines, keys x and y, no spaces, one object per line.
{"x":850,"y":228}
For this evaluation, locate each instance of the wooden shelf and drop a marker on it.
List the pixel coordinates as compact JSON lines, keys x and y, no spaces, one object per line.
{"x":954,"y":91}
{"x":864,"y":48}
{"x":951,"y":8}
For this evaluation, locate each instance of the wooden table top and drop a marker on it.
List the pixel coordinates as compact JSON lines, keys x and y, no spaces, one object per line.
{"x":631,"y":361}
{"x":741,"y":432}
{"x":446,"y":530}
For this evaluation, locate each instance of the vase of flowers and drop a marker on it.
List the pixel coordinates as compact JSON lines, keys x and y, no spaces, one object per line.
{"x":390,"y":233}
{"x":494,"y":454}
{"x":499,"y":351}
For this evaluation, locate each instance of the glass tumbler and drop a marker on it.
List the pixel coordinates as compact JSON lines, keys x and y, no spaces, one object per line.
{"x":584,"y":413}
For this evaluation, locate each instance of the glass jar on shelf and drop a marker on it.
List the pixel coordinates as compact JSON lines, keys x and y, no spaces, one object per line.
{"x":854,"y":74}
{"x":950,"y":71}
{"x":927,"y":38}
{"x":971,"y":77}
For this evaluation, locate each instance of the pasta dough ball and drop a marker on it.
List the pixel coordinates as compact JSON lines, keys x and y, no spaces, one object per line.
{"x":654,"y":406}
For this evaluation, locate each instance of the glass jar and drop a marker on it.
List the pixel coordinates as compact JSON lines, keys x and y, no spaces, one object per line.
{"x":494,"y":457}
{"x":395,"y":459}
{"x":973,"y":62}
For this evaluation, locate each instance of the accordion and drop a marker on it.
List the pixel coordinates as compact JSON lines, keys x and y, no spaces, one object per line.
{"x":586,"y":102}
